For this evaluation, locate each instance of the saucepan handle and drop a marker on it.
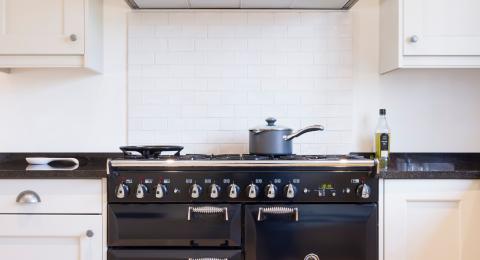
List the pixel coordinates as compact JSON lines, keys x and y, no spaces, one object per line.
{"x":303,"y":131}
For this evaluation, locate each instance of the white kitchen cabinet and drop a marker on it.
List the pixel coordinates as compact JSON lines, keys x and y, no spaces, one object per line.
{"x":52,"y":237}
{"x":51,"y":33}
{"x":52,"y":219}
{"x":429,"y":34}
{"x":431,"y":219}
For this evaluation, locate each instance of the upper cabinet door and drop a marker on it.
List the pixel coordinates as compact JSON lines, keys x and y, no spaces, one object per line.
{"x":441,"y":27}
{"x":42,"y":27}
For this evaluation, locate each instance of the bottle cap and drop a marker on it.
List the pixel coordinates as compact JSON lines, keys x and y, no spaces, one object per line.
{"x":383,"y":111}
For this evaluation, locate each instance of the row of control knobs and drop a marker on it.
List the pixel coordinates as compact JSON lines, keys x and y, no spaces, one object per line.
{"x":233,"y":190}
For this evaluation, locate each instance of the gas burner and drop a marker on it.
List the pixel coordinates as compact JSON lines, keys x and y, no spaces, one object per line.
{"x":253,"y":157}
{"x":149,"y":152}
{"x":194,"y":157}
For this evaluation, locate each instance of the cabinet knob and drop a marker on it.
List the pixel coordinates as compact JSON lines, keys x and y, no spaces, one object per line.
{"x":414,"y":38}
{"x":73,"y":37}
{"x":89,"y":233}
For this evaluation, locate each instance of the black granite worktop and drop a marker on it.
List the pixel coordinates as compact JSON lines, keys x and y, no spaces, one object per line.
{"x":92,"y":166}
{"x":433,"y":166}
{"x":401,"y":166}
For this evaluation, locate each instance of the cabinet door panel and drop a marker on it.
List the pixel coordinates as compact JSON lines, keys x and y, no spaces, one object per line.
{"x":432,"y":219}
{"x":442,"y":27}
{"x":52,"y":237}
{"x":41,"y":26}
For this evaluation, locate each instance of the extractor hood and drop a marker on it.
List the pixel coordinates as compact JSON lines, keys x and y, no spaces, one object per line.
{"x":242,"y":4}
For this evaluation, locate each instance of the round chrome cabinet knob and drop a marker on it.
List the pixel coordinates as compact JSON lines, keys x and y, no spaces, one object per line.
{"x":160,"y":191}
{"x":73,"y":37}
{"x":271,"y":191}
{"x":233,"y":191}
{"x":363,"y":191}
{"x":142,"y":189}
{"x":214,"y":191}
{"x":195,"y":191}
{"x":122,"y":191}
{"x":290,"y":191}
{"x":414,"y":39}
{"x":252,"y":191}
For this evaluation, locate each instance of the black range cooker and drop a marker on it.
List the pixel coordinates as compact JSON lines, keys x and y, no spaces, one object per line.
{"x":235,"y":207}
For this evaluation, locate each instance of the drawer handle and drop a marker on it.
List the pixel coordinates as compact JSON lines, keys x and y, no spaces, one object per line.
{"x":28,"y":197}
{"x":208,"y":258}
{"x":207,"y":210}
{"x":277,"y":211}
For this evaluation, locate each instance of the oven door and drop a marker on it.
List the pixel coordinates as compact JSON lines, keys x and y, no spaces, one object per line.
{"x":311,"y":232}
{"x":174,"y":225}
{"x":142,"y":254}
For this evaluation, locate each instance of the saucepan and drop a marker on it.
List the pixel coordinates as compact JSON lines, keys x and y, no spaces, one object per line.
{"x":271,"y":139}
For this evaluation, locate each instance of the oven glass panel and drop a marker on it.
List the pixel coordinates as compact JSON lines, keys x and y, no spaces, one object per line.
{"x":174,"y":225}
{"x":311,"y":231}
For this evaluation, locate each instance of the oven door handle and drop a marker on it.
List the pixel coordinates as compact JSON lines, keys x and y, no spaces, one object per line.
{"x":277,"y":211}
{"x":208,"y":258}
{"x":207,"y":210}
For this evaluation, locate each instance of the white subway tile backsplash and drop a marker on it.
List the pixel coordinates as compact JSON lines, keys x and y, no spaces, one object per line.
{"x":181,"y":44}
{"x":203,"y":78}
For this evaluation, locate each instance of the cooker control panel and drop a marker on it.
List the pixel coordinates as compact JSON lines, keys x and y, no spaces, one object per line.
{"x":221,"y":187}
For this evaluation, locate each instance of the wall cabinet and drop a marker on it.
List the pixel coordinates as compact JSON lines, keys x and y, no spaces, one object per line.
{"x":51,"y":33}
{"x":51,"y":219}
{"x":431,"y":219}
{"x":429,"y":34}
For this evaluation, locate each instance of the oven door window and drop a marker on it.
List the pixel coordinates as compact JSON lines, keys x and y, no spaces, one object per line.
{"x":311,"y":232}
{"x":174,"y":225}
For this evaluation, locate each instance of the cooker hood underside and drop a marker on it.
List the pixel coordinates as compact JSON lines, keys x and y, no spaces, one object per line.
{"x":243,"y":4}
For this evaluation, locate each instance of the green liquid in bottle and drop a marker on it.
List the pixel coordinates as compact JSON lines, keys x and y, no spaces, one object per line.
{"x":382,"y":140}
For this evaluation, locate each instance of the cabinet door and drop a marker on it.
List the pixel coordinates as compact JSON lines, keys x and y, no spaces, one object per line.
{"x":52,"y":237}
{"x":42,"y":27}
{"x":441,"y":27}
{"x":432,"y":219}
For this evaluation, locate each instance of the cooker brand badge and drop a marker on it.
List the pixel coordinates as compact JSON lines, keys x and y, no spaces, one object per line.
{"x":311,"y":256}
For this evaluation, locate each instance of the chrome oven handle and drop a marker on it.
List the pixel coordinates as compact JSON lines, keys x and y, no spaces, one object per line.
{"x":208,"y":258}
{"x":277,"y":211}
{"x":207,"y":210}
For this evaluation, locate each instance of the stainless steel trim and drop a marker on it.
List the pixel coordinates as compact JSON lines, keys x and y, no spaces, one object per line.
{"x":243,"y":163}
{"x":108,"y":166}
{"x":207,"y":210}
{"x":277,"y":211}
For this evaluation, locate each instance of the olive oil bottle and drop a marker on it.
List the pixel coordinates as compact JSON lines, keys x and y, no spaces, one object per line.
{"x":382,"y":140}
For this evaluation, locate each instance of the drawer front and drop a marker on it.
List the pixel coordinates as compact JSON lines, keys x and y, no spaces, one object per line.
{"x":52,"y":237}
{"x":174,"y":225}
{"x":29,"y":196}
{"x":145,"y":254}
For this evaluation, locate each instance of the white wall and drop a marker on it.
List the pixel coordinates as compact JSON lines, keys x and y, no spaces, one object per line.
{"x":74,"y":110}
{"x":60,"y":110}
{"x":428,"y":110}
{"x":202,"y":79}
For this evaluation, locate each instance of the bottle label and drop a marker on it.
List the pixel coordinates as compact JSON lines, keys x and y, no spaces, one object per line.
{"x":384,"y":145}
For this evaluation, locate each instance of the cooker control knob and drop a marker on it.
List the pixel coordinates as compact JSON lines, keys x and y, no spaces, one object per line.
{"x":122,"y":190}
{"x":233,"y":191}
{"x":252,"y":191}
{"x":271,"y":191}
{"x":160,"y":191}
{"x":141,"y":190}
{"x":214,"y":191}
{"x":195,"y":191}
{"x":290,"y":191}
{"x":363,"y":191}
